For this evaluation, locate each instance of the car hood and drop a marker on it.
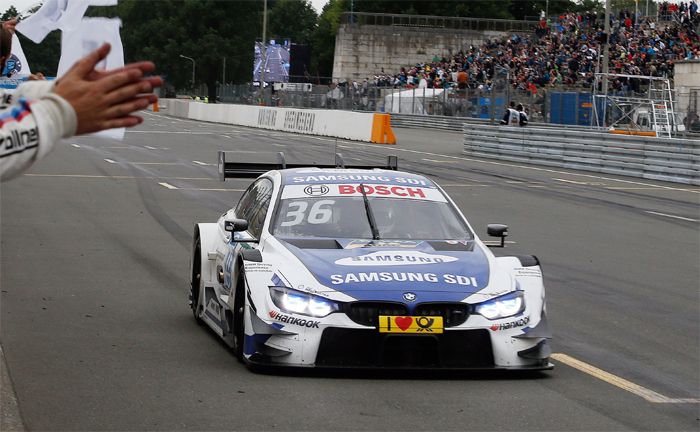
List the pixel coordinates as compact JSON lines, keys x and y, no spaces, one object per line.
{"x":387,"y":270}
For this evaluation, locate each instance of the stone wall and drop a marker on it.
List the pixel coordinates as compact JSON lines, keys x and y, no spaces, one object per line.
{"x":365,"y":50}
{"x":686,"y":80}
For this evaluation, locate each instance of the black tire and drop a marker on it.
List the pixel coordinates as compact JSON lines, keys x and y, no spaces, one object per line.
{"x":238,"y":317}
{"x":196,"y":279}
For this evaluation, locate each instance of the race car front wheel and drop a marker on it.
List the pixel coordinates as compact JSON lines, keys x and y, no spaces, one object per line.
{"x":196,"y":280}
{"x":238,"y":314}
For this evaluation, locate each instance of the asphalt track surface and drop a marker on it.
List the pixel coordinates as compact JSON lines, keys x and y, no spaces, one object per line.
{"x":97,"y":333}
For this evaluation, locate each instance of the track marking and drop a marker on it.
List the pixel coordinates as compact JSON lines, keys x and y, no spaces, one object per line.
{"x":226,"y":136}
{"x":155,"y":163}
{"x":466,"y":185}
{"x":672,"y":216}
{"x":167,"y":185}
{"x":579,"y":183}
{"x":440,"y":161}
{"x":109,"y":161}
{"x":116,"y":147}
{"x":214,"y":189}
{"x":75,"y":145}
{"x":151,"y":148}
{"x":643,"y":392}
{"x":202,"y":163}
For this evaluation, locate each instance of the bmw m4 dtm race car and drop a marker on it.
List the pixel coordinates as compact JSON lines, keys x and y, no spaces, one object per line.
{"x":335,"y":266}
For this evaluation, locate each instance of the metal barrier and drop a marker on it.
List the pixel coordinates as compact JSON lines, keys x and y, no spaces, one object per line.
{"x":673,"y":160}
{"x":456,"y":124}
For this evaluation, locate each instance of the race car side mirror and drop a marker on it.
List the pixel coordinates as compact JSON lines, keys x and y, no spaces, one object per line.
{"x":498,"y":230}
{"x":235,"y":225}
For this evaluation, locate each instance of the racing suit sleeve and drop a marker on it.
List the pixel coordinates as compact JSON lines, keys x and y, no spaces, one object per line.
{"x":29,"y":90}
{"x":29,"y":130}
{"x":506,"y":118}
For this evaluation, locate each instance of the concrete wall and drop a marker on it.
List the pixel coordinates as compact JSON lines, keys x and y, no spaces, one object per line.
{"x":686,"y":80}
{"x":332,"y":123}
{"x":364,"y":50}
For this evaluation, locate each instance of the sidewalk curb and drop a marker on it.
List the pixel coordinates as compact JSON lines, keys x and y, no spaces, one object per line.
{"x":10,"y":418}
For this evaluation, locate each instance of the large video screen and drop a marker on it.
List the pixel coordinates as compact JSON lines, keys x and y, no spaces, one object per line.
{"x":276,"y":61}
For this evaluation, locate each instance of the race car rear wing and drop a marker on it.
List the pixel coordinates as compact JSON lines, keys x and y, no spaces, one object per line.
{"x":229,"y":169}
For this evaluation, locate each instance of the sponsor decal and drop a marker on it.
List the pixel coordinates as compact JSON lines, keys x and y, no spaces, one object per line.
{"x":322,"y":177}
{"x":312,"y":290}
{"x":318,"y":190}
{"x":451,"y":279}
{"x":509,"y":325}
{"x":383,"y":243}
{"x":410,"y":324}
{"x":299,"y":121}
{"x":288,"y":319}
{"x":527,"y":272}
{"x":13,"y":66}
{"x":267,"y":117}
{"x":16,"y":141}
{"x":395,"y":259}
{"x":409,"y":296}
{"x":257,"y":267}
{"x":396,"y":191}
{"x":355,"y":190}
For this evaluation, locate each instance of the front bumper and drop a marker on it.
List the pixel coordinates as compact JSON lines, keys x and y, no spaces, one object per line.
{"x":344,"y":346}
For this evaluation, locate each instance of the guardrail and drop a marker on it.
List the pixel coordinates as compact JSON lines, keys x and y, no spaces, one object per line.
{"x":673,"y":160}
{"x":456,"y":124}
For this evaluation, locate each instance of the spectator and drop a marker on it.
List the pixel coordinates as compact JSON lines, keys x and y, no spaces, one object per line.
{"x":84,"y":100}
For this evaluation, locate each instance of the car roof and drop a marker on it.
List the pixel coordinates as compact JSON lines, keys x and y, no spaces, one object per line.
{"x":298,"y":176}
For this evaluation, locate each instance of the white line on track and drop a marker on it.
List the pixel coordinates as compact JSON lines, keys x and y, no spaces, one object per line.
{"x":226,"y":136}
{"x":88,"y":176}
{"x":214,"y":189}
{"x":570,"y":181}
{"x":151,"y":148}
{"x":109,"y":161}
{"x":466,"y":185}
{"x":116,"y":147}
{"x":167,"y":185}
{"x":155,"y":163}
{"x":672,"y":216}
{"x":202,"y":163}
{"x":75,"y":145}
{"x":440,"y":161}
{"x":617,"y":381}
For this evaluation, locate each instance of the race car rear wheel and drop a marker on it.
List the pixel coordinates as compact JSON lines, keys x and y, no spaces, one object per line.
{"x":196,"y":280}
{"x":238,"y":315}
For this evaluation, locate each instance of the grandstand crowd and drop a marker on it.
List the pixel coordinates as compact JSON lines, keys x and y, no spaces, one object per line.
{"x":565,"y":52}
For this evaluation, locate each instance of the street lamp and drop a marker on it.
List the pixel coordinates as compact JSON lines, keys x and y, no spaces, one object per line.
{"x":193,"y":63}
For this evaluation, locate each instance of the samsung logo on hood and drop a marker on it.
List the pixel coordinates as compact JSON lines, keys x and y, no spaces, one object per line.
{"x":395,"y":258}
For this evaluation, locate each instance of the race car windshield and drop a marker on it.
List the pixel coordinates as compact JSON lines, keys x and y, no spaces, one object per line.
{"x":346,"y":217}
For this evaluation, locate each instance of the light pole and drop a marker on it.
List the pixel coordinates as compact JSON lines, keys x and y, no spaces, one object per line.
{"x":263,"y":55}
{"x":193,"y":63}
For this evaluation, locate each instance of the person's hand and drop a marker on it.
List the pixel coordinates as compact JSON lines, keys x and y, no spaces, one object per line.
{"x":36,"y":77}
{"x":106,"y":99}
{"x":10,"y":25}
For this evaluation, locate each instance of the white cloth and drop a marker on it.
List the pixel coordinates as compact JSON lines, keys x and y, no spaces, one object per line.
{"x":89,"y":35}
{"x":57,"y":14}
{"x":17,"y":63}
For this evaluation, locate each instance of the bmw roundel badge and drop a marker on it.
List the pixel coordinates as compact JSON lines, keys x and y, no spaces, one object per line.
{"x":409,"y":296}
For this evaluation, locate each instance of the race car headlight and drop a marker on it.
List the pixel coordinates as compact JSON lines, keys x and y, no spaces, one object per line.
{"x":502,"y":307}
{"x":297,"y":302}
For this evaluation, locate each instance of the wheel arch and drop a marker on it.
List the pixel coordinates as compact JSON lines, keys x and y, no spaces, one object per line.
{"x":207,"y":233}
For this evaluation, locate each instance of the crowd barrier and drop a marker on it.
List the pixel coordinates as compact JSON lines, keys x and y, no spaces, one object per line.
{"x":359,"y":126}
{"x":673,"y":160}
{"x":449,"y":123}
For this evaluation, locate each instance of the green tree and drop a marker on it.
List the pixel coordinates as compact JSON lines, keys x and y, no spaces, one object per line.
{"x":292,"y":19}
{"x":204,"y":30}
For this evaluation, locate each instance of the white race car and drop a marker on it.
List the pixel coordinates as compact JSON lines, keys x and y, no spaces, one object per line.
{"x":362,"y":267}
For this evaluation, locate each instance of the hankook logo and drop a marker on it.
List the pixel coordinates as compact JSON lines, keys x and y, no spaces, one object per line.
{"x":318,"y":190}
